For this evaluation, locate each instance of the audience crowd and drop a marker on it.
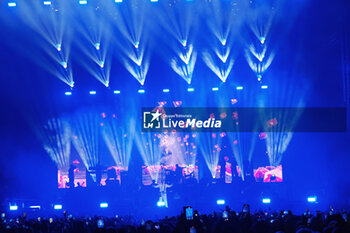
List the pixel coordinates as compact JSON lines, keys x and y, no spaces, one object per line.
{"x":217,"y":222}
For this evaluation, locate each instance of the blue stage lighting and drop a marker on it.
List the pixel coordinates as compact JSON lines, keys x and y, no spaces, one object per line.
{"x":64,"y":64}
{"x":141,"y":91}
{"x":103,"y":205}
{"x":215,"y":89}
{"x":220,"y":202}
{"x":166,"y":90}
{"x":34,"y":207}
{"x":92,"y":92}
{"x":136,"y":45}
{"x":68,"y":93}
{"x":160,"y":203}
{"x":312,"y":199}
{"x":264,"y":87}
{"x":58,"y":47}
{"x":101,"y":64}
{"x":11,"y":4}
{"x":223,"y":41}
{"x":97,"y":46}
{"x":190,"y":89}
{"x":116,"y":92}
{"x":13,"y":207}
{"x":262,"y":39}
{"x":266,"y":200}
{"x":239,"y":88}
{"x":82,"y":2}
{"x":154,"y":0}
{"x":57,"y":207}
{"x":47,"y":3}
{"x":118,"y":1}
{"x":138,"y":61}
{"x":259,"y":76}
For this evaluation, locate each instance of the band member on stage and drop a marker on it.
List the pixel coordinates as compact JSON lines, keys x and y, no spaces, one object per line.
{"x":178,"y":174}
{"x":71,"y":175}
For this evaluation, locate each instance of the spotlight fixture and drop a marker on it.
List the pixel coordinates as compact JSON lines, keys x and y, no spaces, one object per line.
{"x":264,"y":87}
{"x":141,"y":91}
{"x":220,"y":202}
{"x":190,"y":89}
{"x":223,"y":41}
{"x":266,"y":200}
{"x":11,"y":4}
{"x":116,"y":92}
{"x":68,"y":93}
{"x":239,"y":88}
{"x":57,"y":207}
{"x":166,"y":90}
{"x":160,"y":203}
{"x":64,"y":64}
{"x":259,"y":77}
{"x":215,"y":89}
{"x":13,"y":207}
{"x":101,"y":64}
{"x":262,"y":39}
{"x":138,"y":62}
{"x":97,"y":46}
{"x":82,"y":2}
{"x":103,"y":205}
{"x":47,"y":3}
{"x":92,"y":92}
{"x":58,"y":47}
{"x":312,"y":199}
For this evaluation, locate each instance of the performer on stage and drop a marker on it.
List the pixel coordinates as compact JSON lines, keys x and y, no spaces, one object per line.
{"x":71,"y":175}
